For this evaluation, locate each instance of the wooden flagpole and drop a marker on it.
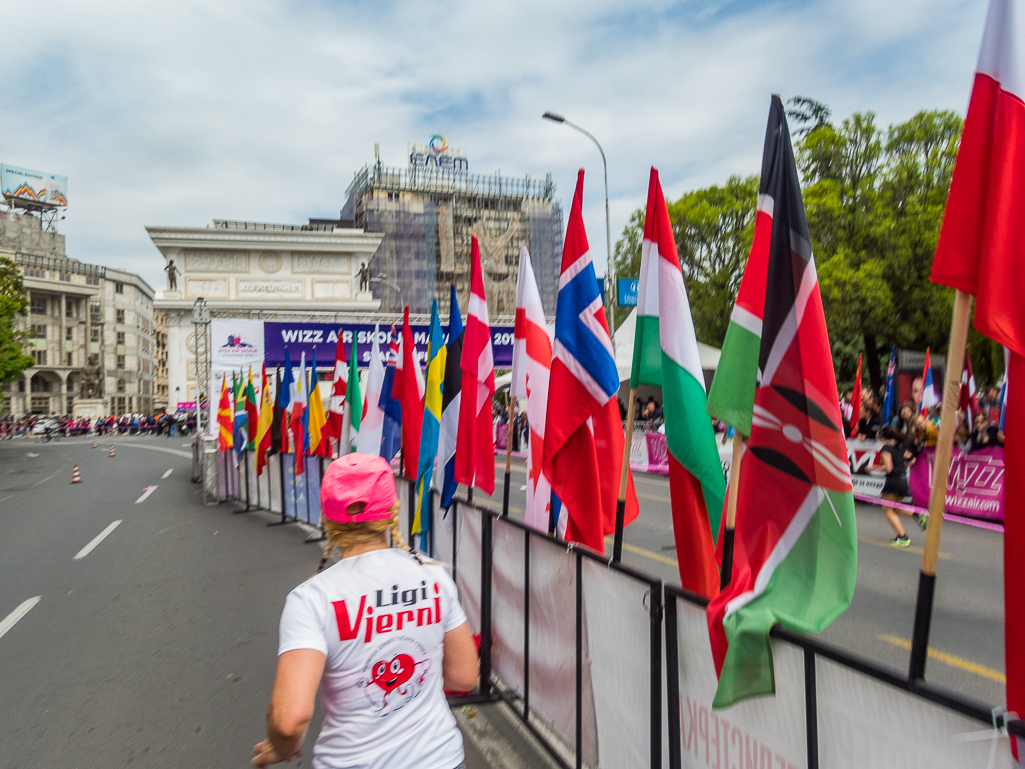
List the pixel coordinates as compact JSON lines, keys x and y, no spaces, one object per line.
{"x":508,"y":456}
{"x":617,"y":543}
{"x":726,"y":571}
{"x":938,"y":495}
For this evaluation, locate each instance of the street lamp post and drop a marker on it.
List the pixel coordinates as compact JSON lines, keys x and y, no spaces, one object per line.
{"x":382,"y":277}
{"x":610,"y":270}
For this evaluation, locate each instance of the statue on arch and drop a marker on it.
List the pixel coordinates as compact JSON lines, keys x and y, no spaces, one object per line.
{"x":364,"y":276}
{"x":172,"y":275}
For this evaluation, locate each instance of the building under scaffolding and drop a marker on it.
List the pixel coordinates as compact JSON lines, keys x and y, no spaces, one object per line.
{"x":428,"y":216}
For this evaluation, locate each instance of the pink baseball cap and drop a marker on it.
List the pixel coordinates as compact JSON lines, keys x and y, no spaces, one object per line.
{"x":357,"y":478}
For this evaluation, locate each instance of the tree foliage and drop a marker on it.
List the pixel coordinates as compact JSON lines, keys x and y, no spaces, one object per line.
{"x":13,"y":302}
{"x":874,"y":199}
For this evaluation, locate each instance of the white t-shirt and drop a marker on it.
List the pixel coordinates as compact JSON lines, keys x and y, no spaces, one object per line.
{"x":380,"y":619}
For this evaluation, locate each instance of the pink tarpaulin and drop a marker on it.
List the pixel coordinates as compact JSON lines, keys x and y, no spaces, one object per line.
{"x":975,"y":486}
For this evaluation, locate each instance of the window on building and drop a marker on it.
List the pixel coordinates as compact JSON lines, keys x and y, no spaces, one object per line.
{"x":65,"y":276}
{"x":39,"y":404}
{"x":119,"y":288}
{"x":70,"y":359}
{"x":69,"y":334}
{"x":121,"y":386}
{"x":94,"y":334}
{"x":32,"y":272}
{"x":40,"y":356}
{"x":38,"y":305}
{"x":120,"y":337}
{"x":92,"y":280}
{"x":119,"y":316}
{"x":71,"y":308}
{"x":121,"y":362}
{"x":39,"y":331}
{"x":7,"y":404}
{"x":94,"y":313}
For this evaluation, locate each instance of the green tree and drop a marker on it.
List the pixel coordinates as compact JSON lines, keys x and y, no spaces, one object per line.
{"x":13,"y":302}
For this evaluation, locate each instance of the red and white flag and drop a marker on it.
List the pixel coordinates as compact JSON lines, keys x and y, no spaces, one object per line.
{"x":339,"y":381}
{"x":979,"y":252}
{"x":409,"y":390}
{"x":968,"y":399}
{"x":475,"y":441}
{"x":531,"y":367}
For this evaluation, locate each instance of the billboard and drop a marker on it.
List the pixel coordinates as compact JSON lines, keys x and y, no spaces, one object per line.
{"x":33,"y":186}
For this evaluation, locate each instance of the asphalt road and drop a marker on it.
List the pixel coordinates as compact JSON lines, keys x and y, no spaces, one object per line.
{"x":156,"y":647}
{"x":968,"y":622}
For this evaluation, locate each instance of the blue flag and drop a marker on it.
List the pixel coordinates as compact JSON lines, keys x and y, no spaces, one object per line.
{"x":890,"y":399}
{"x":450,"y":402}
{"x":391,"y":430}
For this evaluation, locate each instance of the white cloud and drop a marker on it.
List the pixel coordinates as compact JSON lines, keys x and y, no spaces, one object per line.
{"x":263,"y":110}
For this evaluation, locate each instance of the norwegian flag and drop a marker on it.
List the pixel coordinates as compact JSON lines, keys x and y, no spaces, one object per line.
{"x":339,"y":382}
{"x":582,"y":423}
{"x":531,"y":369}
{"x":475,"y":441}
{"x":409,"y":389}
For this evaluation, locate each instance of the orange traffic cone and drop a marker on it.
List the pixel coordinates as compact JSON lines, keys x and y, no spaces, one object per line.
{"x":94,"y":443}
{"x":112,"y":449}
{"x":76,"y":477}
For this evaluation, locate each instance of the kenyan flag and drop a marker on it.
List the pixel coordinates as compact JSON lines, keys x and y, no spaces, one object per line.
{"x":666,"y":355}
{"x":795,"y":552}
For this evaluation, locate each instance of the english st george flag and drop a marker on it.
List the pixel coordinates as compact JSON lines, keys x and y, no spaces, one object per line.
{"x":584,"y":438}
{"x":666,"y":355}
{"x":979,"y":252}
{"x":795,"y":552}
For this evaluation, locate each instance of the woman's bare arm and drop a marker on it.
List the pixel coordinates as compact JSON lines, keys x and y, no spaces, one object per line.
{"x":291,"y":705}
{"x":459,"y":668}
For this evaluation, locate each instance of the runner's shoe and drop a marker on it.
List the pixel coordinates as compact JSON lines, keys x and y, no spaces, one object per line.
{"x":923,"y":521}
{"x":900,"y":541}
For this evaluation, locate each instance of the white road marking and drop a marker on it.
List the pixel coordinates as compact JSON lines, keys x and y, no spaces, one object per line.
{"x":32,"y":455}
{"x":167,"y":474}
{"x":12,"y":619}
{"x":99,"y":538}
{"x":146,"y":492}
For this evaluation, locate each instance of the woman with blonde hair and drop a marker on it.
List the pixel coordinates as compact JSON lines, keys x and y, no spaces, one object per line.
{"x":381,"y":633}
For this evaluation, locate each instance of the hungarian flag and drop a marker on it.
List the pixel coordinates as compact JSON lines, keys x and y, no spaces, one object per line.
{"x":795,"y":552}
{"x":409,"y":391}
{"x":584,"y":439}
{"x":856,"y":402}
{"x":979,"y":252}
{"x":297,"y":417}
{"x":353,"y":411}
{"x":372,"y":425}
{"x":475,"y":444}
{"x":665,"y":355}
{"x":431,"y":425}
{"x":225,"y":418}
{"x":531,"y":370}
{"x":929,"y":398}
{"x":319,"y":444}
{"x":968,"y":397}
{"x":252,"y":414}
{"x":450,"y":400}
{"x":264,"y":423}
{"x":339,"y":379}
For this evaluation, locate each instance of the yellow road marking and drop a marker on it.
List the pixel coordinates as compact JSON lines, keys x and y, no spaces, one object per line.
{"x":886,"y":543}
{"x":653,"y":497}
{"x":42,"y":481}
{"x":7,"y":497}
{"x":950,"y":659}
{"x":647,"y":553}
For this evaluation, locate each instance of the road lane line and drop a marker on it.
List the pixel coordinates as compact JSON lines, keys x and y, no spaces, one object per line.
{"x":12,"y":619}
{"x":7,"y":497}
{"x":167,"y":474}
{"x":950,"y":659}
{"x":146,"y":492}
{"x":42,"y":481}
{"x":176,"y":452}
{"x":653,"y":497}
{"x":886,"y":543}
{"x":647,"y":553}
{"x":99,"y":538}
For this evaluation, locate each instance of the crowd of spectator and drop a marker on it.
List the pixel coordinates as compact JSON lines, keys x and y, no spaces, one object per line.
{"x":53,"y":426}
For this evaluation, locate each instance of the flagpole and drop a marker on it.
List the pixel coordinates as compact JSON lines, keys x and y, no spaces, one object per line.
{"x":938,"y":495}
{"x":617,"y":542}
{"x":732,"y":489}
{"x":508,"y":456}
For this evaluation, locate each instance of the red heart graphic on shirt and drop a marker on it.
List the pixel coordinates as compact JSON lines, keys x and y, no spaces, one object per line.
{"x":391,"y":674}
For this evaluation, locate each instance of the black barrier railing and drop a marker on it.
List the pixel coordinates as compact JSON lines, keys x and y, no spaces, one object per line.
{"x":521,"y":703}
{"x":813,"y":648}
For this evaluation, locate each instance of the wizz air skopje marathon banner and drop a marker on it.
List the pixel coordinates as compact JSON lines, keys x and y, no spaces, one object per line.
{"x":237,"y":345}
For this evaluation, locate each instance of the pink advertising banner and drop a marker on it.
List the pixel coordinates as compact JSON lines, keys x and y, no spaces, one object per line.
{"x":975,"y":486}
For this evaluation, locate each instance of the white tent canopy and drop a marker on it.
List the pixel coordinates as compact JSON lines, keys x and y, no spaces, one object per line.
{"x":625,"y":350}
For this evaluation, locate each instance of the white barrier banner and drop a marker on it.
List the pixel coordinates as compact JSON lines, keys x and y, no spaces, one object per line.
{"x":762,"y":733}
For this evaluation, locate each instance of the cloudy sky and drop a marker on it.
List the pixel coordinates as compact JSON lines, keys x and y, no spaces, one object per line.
{"x":176,"y":114}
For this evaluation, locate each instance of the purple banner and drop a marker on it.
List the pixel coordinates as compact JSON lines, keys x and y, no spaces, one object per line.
{"x":975,"y":486}
{"x":304,"y":337}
